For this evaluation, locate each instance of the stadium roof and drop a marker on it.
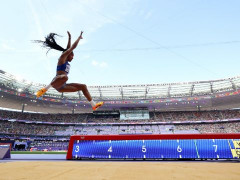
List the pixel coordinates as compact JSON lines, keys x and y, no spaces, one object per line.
{"x":145,"y":91}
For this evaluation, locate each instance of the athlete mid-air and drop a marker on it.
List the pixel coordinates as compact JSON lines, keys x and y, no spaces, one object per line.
{"x":63,"y":67}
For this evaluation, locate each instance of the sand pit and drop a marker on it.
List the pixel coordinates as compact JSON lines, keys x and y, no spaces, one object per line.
{"x":118,"y":170}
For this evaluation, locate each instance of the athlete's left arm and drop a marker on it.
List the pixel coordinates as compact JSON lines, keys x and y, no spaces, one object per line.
{"x":69,"y":40}
{"x":69,"y":50}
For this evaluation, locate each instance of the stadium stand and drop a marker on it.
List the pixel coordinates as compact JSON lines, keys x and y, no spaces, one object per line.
{"x":52,"y":131}
{"x":175,"y":108}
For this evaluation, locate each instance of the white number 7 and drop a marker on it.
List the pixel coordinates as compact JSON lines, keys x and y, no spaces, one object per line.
{"x":215,"y":148}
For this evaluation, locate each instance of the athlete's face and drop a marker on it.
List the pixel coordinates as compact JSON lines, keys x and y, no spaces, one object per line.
{"x":70,"y":57}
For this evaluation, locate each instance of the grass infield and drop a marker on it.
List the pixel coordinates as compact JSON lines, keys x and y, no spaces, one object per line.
{"x":37,"y":152}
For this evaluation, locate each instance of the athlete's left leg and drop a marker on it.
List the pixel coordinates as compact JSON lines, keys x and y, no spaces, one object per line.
{"x":73,"y":87}
{"x":57,"y":82}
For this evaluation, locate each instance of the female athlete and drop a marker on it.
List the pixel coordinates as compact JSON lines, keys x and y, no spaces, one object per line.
{"x":63,"y":67}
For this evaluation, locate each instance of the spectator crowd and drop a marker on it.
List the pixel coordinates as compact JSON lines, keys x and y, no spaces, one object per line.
{"x":126,"y":127}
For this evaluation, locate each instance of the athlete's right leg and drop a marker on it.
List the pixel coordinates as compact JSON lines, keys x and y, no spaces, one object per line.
{"x":57,"y":83}
{"x":73,"y":87}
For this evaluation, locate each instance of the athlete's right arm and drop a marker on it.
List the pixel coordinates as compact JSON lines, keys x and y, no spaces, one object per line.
{"x":69,"y":40}
{"x":74,"y":45}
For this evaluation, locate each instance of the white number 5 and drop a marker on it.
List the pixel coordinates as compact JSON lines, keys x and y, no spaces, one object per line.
{"x":144,"y":149}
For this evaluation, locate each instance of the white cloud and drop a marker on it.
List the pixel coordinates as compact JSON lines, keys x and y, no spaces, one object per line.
{"x":5,"y":46}
{"x":89,"y":15}
{"x":83,"y":41}
{"x":148,"y":15}
{"x":95,"y":63}
{"x":87,"y":56}
{"x":36,"y":19}
{"x":103,"y":64}
{"x":99,"y":64}
{"x":62,"y":19}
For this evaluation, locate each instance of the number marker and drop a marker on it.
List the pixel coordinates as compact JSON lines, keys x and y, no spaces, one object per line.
{"x":215,"y":148}
{"x":77,"y":149}
{"x":144,"y":149}
{"x":179,"y":149}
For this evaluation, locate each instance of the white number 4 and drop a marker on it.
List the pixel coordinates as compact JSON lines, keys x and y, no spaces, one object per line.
{"x":110,"y":149}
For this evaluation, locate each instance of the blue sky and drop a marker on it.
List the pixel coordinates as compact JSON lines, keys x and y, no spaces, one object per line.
{"x":125,"y":41}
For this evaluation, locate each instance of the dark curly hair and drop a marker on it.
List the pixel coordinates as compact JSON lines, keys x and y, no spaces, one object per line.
{"x":50,"y":43}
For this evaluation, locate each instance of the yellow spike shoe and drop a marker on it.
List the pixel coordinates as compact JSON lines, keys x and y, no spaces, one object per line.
{"x":98,"y":105}
{"x":41,"y":92}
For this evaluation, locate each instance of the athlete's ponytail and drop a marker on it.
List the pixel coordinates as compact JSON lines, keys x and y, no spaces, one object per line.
{"x":50,"y":43}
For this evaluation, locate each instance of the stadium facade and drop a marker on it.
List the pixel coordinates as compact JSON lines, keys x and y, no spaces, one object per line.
{"x":219,"y":94}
